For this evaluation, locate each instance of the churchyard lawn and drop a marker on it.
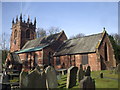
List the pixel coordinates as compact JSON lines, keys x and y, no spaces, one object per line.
{"x":110,"y":80}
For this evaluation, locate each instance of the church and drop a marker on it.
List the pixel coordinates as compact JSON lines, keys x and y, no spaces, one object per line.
{"x":58,"y":51}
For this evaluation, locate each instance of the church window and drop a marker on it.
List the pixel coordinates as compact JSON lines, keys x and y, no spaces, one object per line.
{"x":105,"y":52}
{"x":15,"y":34}
{"x":85,"y":59}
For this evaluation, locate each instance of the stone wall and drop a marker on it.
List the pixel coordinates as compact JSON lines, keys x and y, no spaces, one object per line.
{"x":77,"y":60}
{"x":18,"y":36}
{"x":111,"y":62}
{"x":30,"y":58}
{"x":94,"y":58}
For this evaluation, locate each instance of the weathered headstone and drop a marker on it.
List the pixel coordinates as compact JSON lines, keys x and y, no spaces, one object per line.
{"x":101,"y":75}
{"x":5,"y":78}
{"x":51,"y":77}
{"x":37,"y":78}
{"x":80,"y":73}
{"x":71,"y":77}
{"x":23,"y":82}
{"x":87,"y":83}
{"x":1,"y":79}
{"x":88,"y":71}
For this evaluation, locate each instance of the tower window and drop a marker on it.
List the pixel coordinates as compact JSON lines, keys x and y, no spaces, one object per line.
{"x":15,"y":34}
{"x":28,"y":33}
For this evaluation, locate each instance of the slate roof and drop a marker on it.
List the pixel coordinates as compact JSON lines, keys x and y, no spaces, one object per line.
{"x":84,"y":44}
{"x":39,"y":43}
{"x":31,"y":49}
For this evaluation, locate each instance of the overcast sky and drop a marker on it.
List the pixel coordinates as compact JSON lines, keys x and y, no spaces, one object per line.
{"x":72,"y":17}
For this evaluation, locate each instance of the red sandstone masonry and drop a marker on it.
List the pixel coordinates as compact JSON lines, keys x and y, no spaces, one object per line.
{"x":93,"y":58}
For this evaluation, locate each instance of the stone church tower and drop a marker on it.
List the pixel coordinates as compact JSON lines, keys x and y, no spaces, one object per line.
{"x":22,"y":31}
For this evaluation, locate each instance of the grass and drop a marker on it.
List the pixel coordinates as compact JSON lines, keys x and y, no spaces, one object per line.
{"x":106,"y":73}
{"x":99,"y":82}
{"x":106,"y":83}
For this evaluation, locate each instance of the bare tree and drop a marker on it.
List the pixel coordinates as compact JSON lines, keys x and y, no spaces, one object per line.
{"x":41,"y":32}
{"x":53,"y":30}
{"x":116,"y":38}
{"x":4,"y":41}
{"x":77,"y":36}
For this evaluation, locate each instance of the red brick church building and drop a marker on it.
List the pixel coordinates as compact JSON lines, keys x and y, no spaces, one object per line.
{"x":58,"y":51}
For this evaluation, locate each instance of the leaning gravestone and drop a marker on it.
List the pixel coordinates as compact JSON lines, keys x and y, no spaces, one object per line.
{"x":80,"y":73}
{"x":71,"y":77}
{"x":87,"y":83}
{"x":51,"y":77}
{"x":23,"y":79}
{"x":37,"y":78}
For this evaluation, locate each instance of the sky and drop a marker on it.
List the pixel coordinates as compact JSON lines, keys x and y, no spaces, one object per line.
{"x":72,"y":17}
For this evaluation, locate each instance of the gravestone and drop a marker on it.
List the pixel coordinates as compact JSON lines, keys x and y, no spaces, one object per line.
{"x":23,"y":82}
{"x":37,"y":78}
{"x":71,"y":77}
{"x":101,"y":75}
{"x":51,"y":77}
{"x":87,"y":83}
{"x":80,"y":73}
{"x":1,"y":79}
{"x":6,"y":78}
{"x":88,"y":71}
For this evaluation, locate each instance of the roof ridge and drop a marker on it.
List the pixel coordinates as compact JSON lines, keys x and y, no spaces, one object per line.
{"x":86,"y":36}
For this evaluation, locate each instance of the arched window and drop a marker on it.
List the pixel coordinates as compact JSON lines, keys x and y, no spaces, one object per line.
{"x":15,"y":34}
{"x":28,"y":33}
{"x":105,"y":52}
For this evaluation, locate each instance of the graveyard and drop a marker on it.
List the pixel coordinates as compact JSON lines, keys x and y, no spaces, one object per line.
{"x":48,"y":77}
{"x":99,"y":82}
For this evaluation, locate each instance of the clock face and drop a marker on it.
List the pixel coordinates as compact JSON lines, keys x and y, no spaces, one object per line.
{"x":14,"y":41}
